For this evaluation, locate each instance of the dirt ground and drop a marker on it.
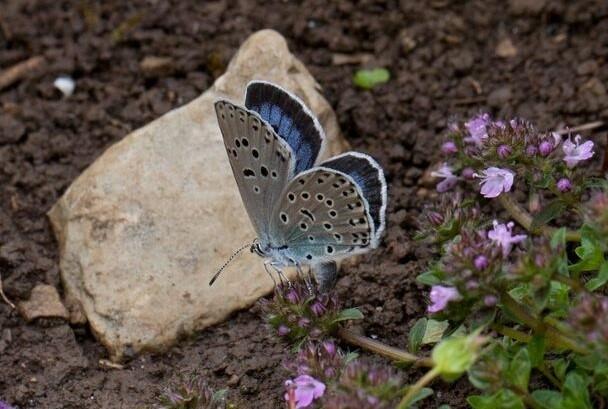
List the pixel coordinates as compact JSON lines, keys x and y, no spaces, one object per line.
{"x":445,"y":60}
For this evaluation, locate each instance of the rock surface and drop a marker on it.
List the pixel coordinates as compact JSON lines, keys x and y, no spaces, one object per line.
{"x":143,"y":229}
{"x":44,"y":302}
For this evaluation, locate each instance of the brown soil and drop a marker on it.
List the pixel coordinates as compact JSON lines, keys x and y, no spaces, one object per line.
{"x":442,"y":57}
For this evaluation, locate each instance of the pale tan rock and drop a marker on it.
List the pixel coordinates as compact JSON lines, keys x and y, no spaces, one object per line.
{"x":143,"y":229}
{"x":44,"y":302}
{"x":506,"y":49}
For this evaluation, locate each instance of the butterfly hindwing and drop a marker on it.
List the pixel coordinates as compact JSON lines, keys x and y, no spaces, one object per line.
{"x":369,"y":176}
{"x":325,"y":214}
{"x":291,"y":120}
{"x":262,"y":162}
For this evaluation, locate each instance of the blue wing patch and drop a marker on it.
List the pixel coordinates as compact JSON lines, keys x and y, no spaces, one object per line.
{"x":290,"y":119}
{"x":369,"y":176}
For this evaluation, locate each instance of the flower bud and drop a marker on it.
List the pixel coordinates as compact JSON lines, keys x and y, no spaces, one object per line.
{"x":531,"y":150}
{"x":435,"y":218}
{"x":545,"y":148}
{"x":481,"y":262}
{"x":454,"y":356}
{"x":292,"y":296}
{"x":449,"y":148}
{"x":564,"y":185}
{"x":490,"y":300}
{"x":468,"y":173}
{"x":503,"y":151}
{"x":283,"y":330}
{"x":303,"y":322}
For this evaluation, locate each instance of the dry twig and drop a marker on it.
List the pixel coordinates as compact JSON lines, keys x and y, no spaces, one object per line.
{"x":19,"y":70}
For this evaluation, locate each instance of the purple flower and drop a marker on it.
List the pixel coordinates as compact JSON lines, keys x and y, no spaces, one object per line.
{"x":564,"y":185}
{"x":283,"y":330}
{"x":449,"y":179}
{"x":545,"y":148}
{"x":317,"y":308}
{"x":531,"y":150}
{"x":503,"y":151}
{"x":292,"y":296}
{"x":449,"y":148}
{"x":468,"y":173}
{"x":477,"y":129}
{"x":305,"y":389}
{"x":490,"y":300}
{"x":440,"y":296}
{"x":481,"y":262}
{"x":575,"y":152}
{"x":4,"y":405}
{"x":495,"y":181}
{"x":502,"y":234}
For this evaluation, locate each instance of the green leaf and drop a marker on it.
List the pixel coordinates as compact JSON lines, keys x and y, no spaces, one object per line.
{"x":416,"y":334}
{"x":576,"y":395}
{"x":351,"y":356}
{"x":558,"y":238}
{"x":600,"y":279}
{"x":422,"y":394}
{"x":560,"y":366}
{"x":519,"y":369}
{"x":503,"y":399}
{"x":429,"y":277}
{"x":553,"y":210}
{"x":349,"y":314}
{"x":548,"y":399}
{"x":368,"y":79}
{"x":589,"y":252}
{"x":434,"y":331}
{"x":536,"y":349}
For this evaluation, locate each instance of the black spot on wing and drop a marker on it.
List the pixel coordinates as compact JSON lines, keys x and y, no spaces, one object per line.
{"x":289,"y":119}
{"x":367,"y":177}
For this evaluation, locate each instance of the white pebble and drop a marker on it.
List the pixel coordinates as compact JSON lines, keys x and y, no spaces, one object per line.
{"x":65,"y":84}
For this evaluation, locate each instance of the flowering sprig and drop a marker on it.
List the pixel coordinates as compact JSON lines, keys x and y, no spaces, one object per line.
{"x":299,"y":312}
{"x":192,"y":392}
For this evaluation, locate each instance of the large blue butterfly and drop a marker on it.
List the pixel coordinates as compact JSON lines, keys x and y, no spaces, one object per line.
{"x":303,"y":213}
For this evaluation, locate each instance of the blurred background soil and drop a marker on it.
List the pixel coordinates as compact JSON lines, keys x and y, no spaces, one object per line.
{"x":541,"y":60}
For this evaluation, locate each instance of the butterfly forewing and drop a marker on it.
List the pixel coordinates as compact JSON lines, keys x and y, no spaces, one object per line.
{"x":322,"y":215}
{"x":262,"y":162}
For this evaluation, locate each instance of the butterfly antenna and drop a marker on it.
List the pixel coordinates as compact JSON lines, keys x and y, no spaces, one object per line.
{"x":236,"y":253}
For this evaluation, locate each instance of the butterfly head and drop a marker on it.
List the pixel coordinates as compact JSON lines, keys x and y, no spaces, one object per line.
{"x":256,"y":248}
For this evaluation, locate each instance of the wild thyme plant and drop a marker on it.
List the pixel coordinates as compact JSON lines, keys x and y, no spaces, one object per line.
{"x":517,"y":291}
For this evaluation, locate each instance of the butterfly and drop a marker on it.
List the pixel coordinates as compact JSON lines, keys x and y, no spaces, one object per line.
{"x":304,"y":213}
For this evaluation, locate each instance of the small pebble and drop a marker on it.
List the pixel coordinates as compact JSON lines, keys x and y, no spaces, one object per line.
{"x":65,"y":84}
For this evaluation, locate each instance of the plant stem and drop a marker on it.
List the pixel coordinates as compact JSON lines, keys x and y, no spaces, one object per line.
{"x":415,"y":388}
{"x":511,"y":333}
{"x":574,"y":284}
{"x":554,"y":336}
{"x":525,"y":219}
{"x":379,"y":348}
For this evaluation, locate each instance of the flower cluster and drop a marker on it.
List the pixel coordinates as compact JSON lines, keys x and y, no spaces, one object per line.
{"x":590,"y":317}
{"x":322,"y":360}
{"x":496,"y":153}
{"x":298,"y":312}
{"x":302,"y":391}
{"x":364,"y":386}
{"x":192,"y":393}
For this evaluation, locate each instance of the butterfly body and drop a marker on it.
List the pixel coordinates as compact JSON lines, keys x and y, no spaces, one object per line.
{"x":304,"y":212}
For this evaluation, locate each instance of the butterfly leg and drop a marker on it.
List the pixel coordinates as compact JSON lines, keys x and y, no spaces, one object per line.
{"x":306,"y":278}
{"x":280,"y":273}
{"x":266,"y":264}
